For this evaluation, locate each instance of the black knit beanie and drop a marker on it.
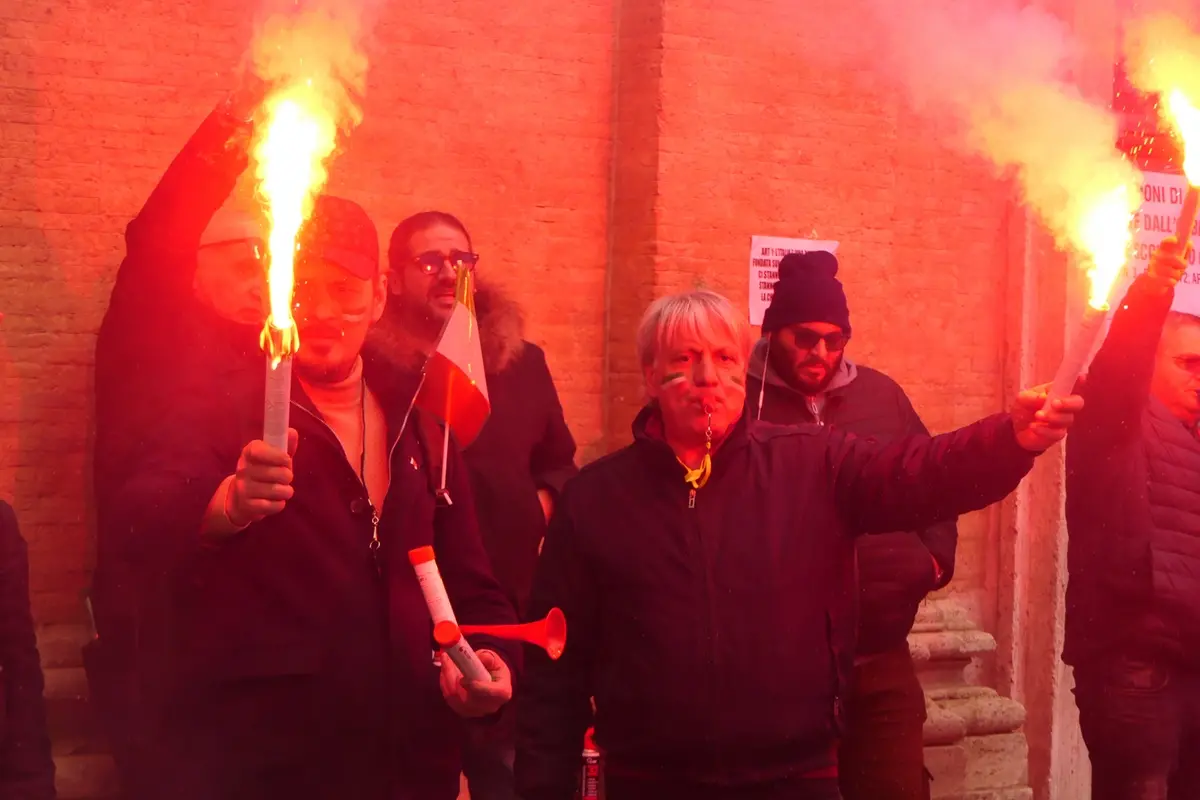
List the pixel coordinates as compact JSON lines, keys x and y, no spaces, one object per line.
{"x":807,"y":291}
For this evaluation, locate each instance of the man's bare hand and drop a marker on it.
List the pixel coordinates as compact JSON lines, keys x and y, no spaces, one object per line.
{"x":1040,"y":425}
{"x":262,"y":484}
{"x":1167,"y":264}
{"x":477,"y":698}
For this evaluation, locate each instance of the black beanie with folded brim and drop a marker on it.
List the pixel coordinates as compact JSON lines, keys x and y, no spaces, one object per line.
{"x":807,"y":291}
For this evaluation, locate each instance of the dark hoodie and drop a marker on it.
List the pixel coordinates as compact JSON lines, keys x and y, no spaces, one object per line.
{"x":895,"y":570}
{"x":525,"y":444}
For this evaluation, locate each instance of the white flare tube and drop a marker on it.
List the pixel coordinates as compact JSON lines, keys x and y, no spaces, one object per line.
{"x":1187,"y":218}
{"x":1076,"y":356}
{"x":451,"y":640}
{"x":425,"y":565}
{"x":277,"y":403}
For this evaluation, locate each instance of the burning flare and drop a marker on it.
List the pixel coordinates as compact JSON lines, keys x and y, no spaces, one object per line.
{"x":314,"y":61}
{"x":1187,"y":121}
{"x":996,"y":75}
{"x":1162,"y":58}
{"x":1105,"y":235}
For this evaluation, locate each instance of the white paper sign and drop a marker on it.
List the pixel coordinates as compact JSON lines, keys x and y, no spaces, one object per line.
{"x":1162,"y":196}
{"x":765,"y":254}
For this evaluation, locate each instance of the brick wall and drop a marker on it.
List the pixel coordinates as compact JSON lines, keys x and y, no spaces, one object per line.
{"x":588,"y":196}
{"x":505,"y":115}
{"x":478,"y":108}
{"x":762,"y":126}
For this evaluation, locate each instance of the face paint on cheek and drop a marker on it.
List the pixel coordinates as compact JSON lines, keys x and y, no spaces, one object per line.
{"x":737,"y":379}
{"x":673,"y":379}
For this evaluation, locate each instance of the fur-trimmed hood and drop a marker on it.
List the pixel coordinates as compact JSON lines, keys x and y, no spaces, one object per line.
{"x":501,"y":332}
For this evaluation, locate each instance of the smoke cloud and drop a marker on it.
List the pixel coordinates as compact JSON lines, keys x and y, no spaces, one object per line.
{"x":998,"y":76}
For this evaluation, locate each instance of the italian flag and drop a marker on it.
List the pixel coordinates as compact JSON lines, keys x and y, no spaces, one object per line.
{"x":454,"y":388}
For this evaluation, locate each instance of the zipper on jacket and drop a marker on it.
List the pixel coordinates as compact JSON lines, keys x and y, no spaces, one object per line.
{"x":375,"y":542}
{"x":815,"y":410}
{"x":692,"y":497}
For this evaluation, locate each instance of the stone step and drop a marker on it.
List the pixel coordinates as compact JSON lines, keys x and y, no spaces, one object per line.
{"x":62,"y":645}
{"x":68,"y":714}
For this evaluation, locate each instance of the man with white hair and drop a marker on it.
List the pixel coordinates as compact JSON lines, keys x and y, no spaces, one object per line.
{"x":704,"y":570}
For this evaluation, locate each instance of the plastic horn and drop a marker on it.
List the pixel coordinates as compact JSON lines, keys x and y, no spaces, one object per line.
{"x":550,"y":634}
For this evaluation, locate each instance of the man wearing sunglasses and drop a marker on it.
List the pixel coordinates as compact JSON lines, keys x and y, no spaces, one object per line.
{"x":799,"y":373}
{"x":521,"y":459}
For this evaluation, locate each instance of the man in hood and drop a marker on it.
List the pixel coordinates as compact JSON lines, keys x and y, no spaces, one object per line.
{"x":799,"y":373}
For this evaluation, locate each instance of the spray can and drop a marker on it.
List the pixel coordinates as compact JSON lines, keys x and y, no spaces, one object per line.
{"x":590,"y":782}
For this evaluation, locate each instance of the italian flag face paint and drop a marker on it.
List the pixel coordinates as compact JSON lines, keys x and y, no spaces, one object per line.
{"x":673,"y":379}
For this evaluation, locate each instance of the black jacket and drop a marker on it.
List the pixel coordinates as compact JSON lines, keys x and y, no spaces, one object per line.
{"x":26,"y":769}
{"x":895,"y":570}
{"x":1133,"y":502}
{"x":157,"y":342}
{"x":707,"y":634}
{"x":287,"y":661}
{"x":525,"y":445}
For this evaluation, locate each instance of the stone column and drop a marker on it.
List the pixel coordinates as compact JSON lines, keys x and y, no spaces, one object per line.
{"x":975,"y":747}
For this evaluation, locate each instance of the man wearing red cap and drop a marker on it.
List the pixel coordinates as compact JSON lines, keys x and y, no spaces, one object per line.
{"x":289,"y":650}
{"x":799,"y":374}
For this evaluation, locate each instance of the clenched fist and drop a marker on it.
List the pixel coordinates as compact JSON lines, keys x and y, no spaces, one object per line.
{"x":1167,"y":264}
{"x":262,"y":484}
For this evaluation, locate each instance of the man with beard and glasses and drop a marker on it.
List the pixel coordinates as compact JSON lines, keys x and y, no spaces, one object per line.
{"x":799,"y":374}
{"x":524,"y":453}
{"x":290,"y":653}
{"x":703,"y":570}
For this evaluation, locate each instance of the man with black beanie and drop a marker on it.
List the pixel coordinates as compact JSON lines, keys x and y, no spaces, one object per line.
{"x":799,"y":374}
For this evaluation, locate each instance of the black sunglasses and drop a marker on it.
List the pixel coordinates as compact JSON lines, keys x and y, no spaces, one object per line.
{"x":432,"y":261}
{"x":807,"y":340}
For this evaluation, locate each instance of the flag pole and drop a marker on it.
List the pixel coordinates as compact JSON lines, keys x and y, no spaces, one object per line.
{"x":443,"y":492}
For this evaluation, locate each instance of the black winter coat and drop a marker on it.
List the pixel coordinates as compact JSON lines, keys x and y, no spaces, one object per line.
{"x":157,"y":342}
{"x":524,"y":447}
{"x":288,"y":661}
{"x":1133,"y":503}
{"x":26,"y":769}
{"x":707,"y":635}
{"x":895,"y":570}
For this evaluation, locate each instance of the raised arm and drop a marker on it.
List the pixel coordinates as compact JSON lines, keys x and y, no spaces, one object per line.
{"x":940,"y":539}
{"x":917,"y":481}
{"x":198,"y":181}
{"x":554,"y":702}
{"x":1118,"y":381}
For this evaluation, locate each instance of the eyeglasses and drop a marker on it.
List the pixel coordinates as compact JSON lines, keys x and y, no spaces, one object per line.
{"x":807,"y":340}
{"x":432,"y":261}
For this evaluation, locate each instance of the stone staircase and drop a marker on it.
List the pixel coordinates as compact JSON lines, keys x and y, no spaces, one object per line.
{"x":974,"y":746}
{"x":84,"y":769}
